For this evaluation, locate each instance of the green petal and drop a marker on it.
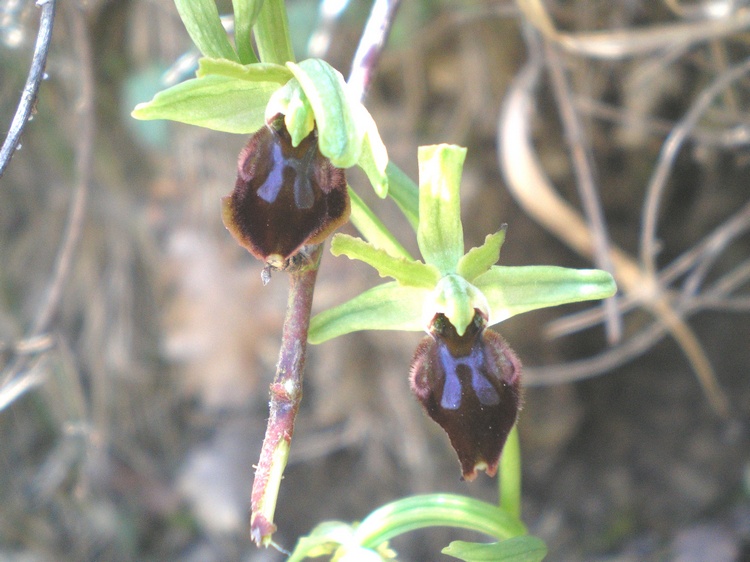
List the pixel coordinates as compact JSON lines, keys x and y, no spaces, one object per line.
{"x":455,"y":297}
{"x":517,"y":549}
{"x":513,"y":290}
{"x":436,"y":510}
{"x":299,"y":119}
{"x":384,"y":307}
{"x":245,"y":14}
{"x":409,"y":273}
{"x":340,"y":131}
{"x":479,"y":260}
{"x":201,"y":19}
{"x":292,"y":102}
{"x":215,"y":102}
{"x":440,"y":234}
{"x":257,"y":72}
{"x":373,"y":229}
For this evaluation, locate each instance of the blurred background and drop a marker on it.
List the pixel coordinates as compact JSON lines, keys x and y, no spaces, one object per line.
{"x":137,"y":341}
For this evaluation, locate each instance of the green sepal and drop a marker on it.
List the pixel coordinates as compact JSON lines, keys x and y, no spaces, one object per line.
{"x":374,"y":157}
{"x":409,"y":273}
{"x":514,"y":290}
{"x":340,"y":130}
{"x":404,"y":192}
{"x":436,"y":510}
{"x":517,"y":549}
{"x":455,"y":297}
{"x":245,"y":14}
{"x":201,"y":19}
{"x":440,"y":234}
{"x":478,"y":260}
{"x":384,"y":307}
{"x":256,"y":72}
{"x":271,"y":31}
{"x":215,"y":102}
{"x":372,"y":228}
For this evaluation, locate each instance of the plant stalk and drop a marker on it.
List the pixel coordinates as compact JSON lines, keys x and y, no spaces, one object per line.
{"x":274,"y":45}
{"x":509,"y":480}
{"x":286,"y":395}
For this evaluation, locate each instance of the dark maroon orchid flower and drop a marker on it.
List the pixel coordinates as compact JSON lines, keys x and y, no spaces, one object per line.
{"x":470,"y":385}
{"x":285,"y":196}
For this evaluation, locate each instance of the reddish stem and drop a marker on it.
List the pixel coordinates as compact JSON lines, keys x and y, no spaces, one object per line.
{"x":286,"y":389}
{"x":286,"y":395}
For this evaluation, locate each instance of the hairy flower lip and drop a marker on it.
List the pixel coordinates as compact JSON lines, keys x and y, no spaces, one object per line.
{"x":470,"y":386}
{"x":285,"y":197}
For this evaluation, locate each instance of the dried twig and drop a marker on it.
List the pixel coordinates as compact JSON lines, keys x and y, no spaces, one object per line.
{"x":640,"y":281}
{"x":705,"y":251}
{"x":63,"y":261}
{"x":583,"y":167}
{"x":670,"y":149}
{"x":34,"y":79}
{"x":617,"y":44}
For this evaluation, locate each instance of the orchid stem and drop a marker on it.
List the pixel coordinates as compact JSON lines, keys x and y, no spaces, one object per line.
{"x":286,"y":395}
{"x":509,"y":480}
{"x":274,"y":45}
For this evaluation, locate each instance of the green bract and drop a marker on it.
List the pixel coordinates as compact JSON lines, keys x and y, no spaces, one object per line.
{"x":449,"y":281}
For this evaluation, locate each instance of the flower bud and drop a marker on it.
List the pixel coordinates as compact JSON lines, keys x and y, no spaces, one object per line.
{"x":285,"y":196}
{"x":470,"y":385}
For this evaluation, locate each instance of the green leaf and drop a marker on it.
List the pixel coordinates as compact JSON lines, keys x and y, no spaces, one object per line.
{"x":409,"y":273}
{"x":372,"y":228}
{"x":340,"y":131}
{"x":215,"y":102}
{"x":383,"y":307}
{"x":201,"y":19}
{"x":256,"y":72}
{"x":455,"y":297}
{"x":324,"y":540}
{"x":516,"y":549}
{"x":479,"y":260}
{"x":440,"y":234}
{"x":436,"y":510}
{"x":374,"y":157}
{"x":404,"y":193}
{"x":513,"y":290}
{"x":245,"y":14}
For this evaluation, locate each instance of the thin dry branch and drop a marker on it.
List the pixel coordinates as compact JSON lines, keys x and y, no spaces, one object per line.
{"x":30,"y":90}
{"x":639,"y":280}
{"x":583,"y":168}
{"x":84,"y":107}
